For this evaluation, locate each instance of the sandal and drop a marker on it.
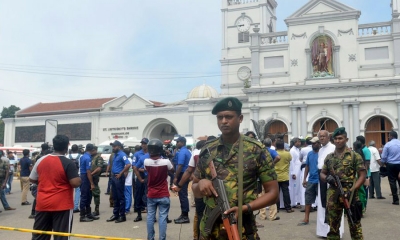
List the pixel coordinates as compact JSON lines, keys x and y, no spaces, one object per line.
{"x":289,"y":210}
{"x":302,"y":223}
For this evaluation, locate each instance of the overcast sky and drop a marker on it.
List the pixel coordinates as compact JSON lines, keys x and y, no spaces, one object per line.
{"x":64,"y":50}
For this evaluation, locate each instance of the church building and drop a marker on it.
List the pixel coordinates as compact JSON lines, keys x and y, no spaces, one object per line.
{"x":326,"y":70}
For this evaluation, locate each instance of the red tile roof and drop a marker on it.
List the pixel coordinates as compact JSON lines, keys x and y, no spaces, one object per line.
{"x":63,"y":107}
{"x":157,"y":104}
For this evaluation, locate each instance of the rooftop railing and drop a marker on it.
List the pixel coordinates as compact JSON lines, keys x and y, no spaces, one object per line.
{"x":234,"y":2}
{"x":374,"y":29}
{"x":274,"y":38}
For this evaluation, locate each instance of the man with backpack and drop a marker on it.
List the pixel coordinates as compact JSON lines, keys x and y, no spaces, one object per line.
{"x":75,"y":156}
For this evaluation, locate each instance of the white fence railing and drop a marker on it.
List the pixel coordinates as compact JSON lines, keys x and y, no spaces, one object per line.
{"x":233,"y":2}
{"x":374,"y":29}
{"x":273,"y":38}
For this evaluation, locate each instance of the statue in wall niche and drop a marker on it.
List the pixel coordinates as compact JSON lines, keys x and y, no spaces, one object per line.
{"x":259,"y":128}
{"x":321,"y":57}
{"x":270,"y":26}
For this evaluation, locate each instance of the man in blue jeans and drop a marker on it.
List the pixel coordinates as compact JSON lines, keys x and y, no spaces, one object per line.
{"x":181,"y":162}
{"x":12,"y":162}
{"x":158,"y":193}
{"x":3,"y":177}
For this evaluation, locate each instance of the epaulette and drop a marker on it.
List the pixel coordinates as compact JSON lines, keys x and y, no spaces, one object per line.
{"x":207,"y":146}
{"x":211,"y":141}
{"x":254,"y":141}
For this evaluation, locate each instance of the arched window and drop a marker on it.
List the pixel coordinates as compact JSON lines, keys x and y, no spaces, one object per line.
{"x":377,"y":128}
{"x":327,"y":124}
{"x":276,"y":128}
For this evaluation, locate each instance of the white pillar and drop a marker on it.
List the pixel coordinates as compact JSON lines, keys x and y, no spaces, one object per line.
{"x":264,"y":19}
{"x":398,"y":114}
{"x":303,"y":120}
{"x":356,"y":119}
{"x":9,"y":132}
{"x":255,"y":57}
{"x":346,"y":123}
{"x":255,"y":111}
{"x":294,"y":121}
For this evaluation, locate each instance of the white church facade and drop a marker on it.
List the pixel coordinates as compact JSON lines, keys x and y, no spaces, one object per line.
{"x":325,"y":71}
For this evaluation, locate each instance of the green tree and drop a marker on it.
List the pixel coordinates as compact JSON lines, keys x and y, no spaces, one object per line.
{"x":9,"y":112}
{"x":6,"y":113}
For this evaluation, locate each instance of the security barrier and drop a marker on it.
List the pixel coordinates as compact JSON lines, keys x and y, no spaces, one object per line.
{"x":64,"y":234}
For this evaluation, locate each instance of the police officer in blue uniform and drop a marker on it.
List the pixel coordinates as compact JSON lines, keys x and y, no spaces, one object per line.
{"x":87,"y":185}
{"x":120,"y":165}
{"x":140,"y":197}
{"x":138,"y":204}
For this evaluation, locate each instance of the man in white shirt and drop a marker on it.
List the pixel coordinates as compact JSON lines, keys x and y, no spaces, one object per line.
{"x":295,"y":172}
{"x":303,"y":158}
{"x":128,"y":184}
{"x":75,"y":156}
{"x":326,"y":148}
{"x":375,"y":180}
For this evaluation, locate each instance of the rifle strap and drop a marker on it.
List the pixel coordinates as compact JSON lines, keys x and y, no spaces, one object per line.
{"x":355,"y":176}
{"x":240,"y":186}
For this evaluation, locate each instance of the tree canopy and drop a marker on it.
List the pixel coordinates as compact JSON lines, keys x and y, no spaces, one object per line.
{"x":6,"y":113}
{"x":9,"y":112}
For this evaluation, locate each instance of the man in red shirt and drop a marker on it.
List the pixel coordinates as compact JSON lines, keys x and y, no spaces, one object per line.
{"x":56,"y":177}
{"x":157,"y":188}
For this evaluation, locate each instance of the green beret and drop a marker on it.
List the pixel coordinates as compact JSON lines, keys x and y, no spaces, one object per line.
{"x":227,"y":104}
{"x":339,"y":131}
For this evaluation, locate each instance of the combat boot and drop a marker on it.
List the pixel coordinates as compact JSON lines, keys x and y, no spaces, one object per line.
{"x":96,"y":211}
{"x":84,"y":217}
{"x":90,"y":215}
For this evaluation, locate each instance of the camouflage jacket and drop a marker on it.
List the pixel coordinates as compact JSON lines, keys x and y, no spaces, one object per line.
{"x":346,"y":167}
{"x":257,"y":164}
{"x":3,"y":169}
{"x":97,"y":161}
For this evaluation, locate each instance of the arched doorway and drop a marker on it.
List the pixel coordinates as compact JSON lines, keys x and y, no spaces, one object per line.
{"x":276,"y":128}
{"x":160,"y":128}
{"x":377,"y":128}
{"x":327,"y":124}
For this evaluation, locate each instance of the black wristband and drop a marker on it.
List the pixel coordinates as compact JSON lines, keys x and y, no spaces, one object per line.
{"x":249,"y":210}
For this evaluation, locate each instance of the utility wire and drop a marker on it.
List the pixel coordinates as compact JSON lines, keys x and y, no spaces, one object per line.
{"x":109,"y":77}
{"x":103,"y":70}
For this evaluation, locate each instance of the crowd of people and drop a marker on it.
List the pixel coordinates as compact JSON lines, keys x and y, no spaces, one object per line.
{"x":319,"y":173}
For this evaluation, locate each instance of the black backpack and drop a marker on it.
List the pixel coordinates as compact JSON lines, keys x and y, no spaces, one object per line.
{"x":75,"y":160}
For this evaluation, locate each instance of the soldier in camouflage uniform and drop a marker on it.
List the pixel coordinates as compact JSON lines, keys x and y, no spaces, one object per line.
{"x":97,"y":163}
{"x":347,"y":165}
{"x":223,"y":152}
{"x":3,"y":176}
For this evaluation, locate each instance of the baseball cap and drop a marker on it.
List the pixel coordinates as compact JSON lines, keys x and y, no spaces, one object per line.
{"x":314,"y":139}
{"x":116,"y":143}
{"x":181,"y":139}
{"x":145,"y":140}
{"x":89,"y":147}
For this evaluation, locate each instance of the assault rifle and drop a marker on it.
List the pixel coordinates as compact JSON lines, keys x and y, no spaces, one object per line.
{"x":344,"y":198}
{"x":229,"y":220}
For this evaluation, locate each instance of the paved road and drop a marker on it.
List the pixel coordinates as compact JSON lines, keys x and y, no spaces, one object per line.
{"x":380,"y":222}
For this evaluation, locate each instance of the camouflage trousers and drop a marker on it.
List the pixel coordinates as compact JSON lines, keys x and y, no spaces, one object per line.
{"x":335,"y":209}
{"x":96,"y":191}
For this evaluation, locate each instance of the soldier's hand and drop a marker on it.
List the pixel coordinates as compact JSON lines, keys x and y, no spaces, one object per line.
{"x":92,"y":187}
{"x":206,"y":188}
{"x":233,"y":210}
{"x":331,"y":180}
